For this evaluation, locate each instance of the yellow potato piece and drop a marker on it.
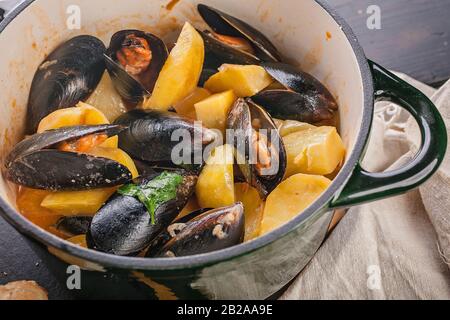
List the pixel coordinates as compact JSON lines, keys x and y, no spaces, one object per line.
{"x":215,"y":186}
{"x":118,"y":155}
{"x":75,"y":203}
{"x":290,"y":126}
{"x":186,"y":107}
{"x":106,"y":99}
{"x":213,"y":111}
{"x":314,"y":151}
{"x":245,"y":81}
{"x":83,"y":114}
{"x":290,"y":198}
{"x":62,"y":118}
{"x":181,"y":72}
{"x":253,"y":208}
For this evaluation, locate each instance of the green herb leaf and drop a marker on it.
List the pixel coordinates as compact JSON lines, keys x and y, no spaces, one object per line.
{"x":156,"y":192}
{"x":129,"y":190}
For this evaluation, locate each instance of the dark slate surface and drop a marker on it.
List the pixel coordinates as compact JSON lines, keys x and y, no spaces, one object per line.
{"x":414,"y":38}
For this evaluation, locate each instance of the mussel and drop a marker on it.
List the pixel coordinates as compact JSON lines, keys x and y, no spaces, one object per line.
{"x":209,"y":69}
{"x":51,"y":160}
{"x":168,"y":233}
{"x":124,"y":225}
{"x":304,"y":98}
{"x":210,"y":231}
{"x":67,"y":76}
{"x":153,"y":136}
{"x":134,"y":60}
{"x":74,"y":226}
{"x":234,"y":41}
{"x":260,"y":152}
{"x":218,"y":53}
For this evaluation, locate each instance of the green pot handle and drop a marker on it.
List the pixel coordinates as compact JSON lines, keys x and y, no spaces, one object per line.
{"x":364,"y":186}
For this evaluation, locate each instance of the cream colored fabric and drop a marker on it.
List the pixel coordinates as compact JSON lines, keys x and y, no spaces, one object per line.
{"x":397,"y":248}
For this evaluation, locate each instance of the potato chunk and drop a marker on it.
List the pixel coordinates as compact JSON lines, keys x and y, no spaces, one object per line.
{"x":117,"y":155}
{"x":82,"y":114}
{"x":74,"y":203}
{"x":215,"y":186}
{"x":181,"y":72}
{"x":290,"y":198}
{"x":245,"y":81}
{"x":290,"y":126}
{"x":314,"y":151}
{"x":106,"y":99}
{"x":186,"y":107}
{"x":213,"y":111}
{"x":253,"y":208}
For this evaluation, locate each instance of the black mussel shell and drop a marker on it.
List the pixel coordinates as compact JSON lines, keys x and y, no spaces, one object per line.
{"x":171,"y":231}
{"x":148,"y":169}
{"x":74,"y":226}
{"x":218,"y":53}
{"x":123,"y":225}
{"x":150,"y":137}
{"x":305,"y":99}
{"x":245,"y":118}
{"x":299,"y":81}
{"x":210,"y":66}
{"x":67,"y":76}
{"x":51,"y":138}
{"x":66,"y":171}
{"x":33,"y":162}
{"x":206,"y":74}
{"x":211,"y":231}
{"x":133,"y":88}
{"x":289,"y":105}
{"x":225,"y":24}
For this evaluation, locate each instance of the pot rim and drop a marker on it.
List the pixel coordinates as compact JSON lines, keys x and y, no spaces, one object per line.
{"x":158,"y":264}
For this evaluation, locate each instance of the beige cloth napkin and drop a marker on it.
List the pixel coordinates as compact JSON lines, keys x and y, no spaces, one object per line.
{"x":397,"y":248}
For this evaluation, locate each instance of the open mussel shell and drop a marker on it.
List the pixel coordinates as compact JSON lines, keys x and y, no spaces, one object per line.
{"x":213,"y":230}
{"x":152,"y":136}
{"x":171,"y":231}
{"x":123,"y":225}
{"x":297,"y":80}
{"x":134,"y":86}
{"x":35,"y":163}
{"x":225,"y":24}
{"x":289,"y":105}
{"x":305,"y":98}
{"x":67,"y":76}
{"x":74,"y":226}
{"x":218,"y":53}
{"x":254,"y":130}
{"x":51,"y":138}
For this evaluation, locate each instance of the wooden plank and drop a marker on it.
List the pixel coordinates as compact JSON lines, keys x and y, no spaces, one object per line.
{"x":414,"y":37}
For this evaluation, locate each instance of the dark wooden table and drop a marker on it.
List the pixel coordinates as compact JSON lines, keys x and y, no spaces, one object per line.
{"x":414,"y":38}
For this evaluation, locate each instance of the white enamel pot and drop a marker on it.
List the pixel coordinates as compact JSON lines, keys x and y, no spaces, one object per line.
{"x":307,"y":32}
